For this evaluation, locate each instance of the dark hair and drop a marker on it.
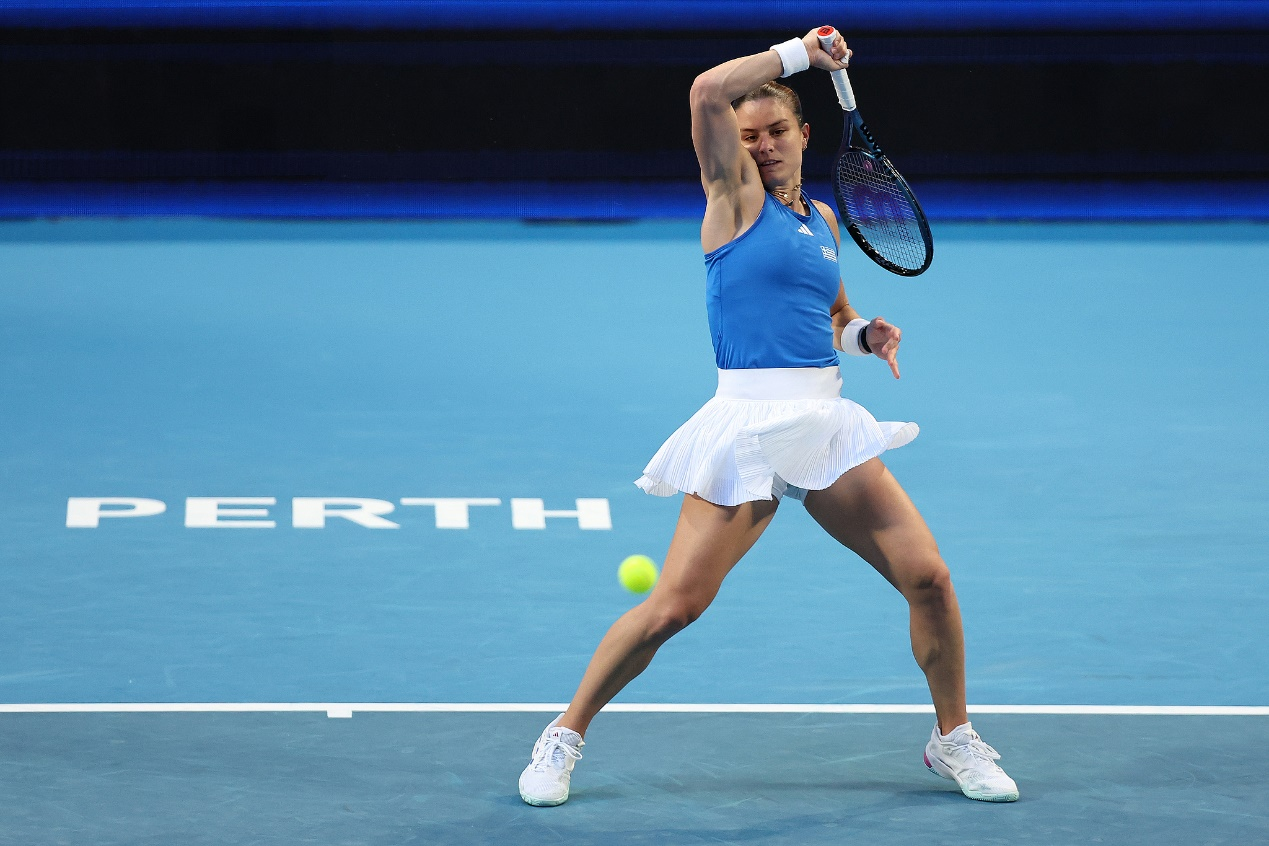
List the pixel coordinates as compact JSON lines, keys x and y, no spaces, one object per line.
{"x":774,"y":91}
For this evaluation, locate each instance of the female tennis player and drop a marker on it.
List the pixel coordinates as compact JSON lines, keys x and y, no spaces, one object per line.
{"x":778,"y":425}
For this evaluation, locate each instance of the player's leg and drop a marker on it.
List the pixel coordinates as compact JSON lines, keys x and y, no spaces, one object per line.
{"x":708,"y":541}
{"x":868,"y":512}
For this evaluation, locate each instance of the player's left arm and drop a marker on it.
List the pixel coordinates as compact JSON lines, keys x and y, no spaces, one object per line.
{"x":883,"y":338}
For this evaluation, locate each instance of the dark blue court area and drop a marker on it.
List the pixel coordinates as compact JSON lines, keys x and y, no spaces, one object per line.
{"x":1090,"y":396}
{"x":443,"y":779}
{"x":334,"y":334}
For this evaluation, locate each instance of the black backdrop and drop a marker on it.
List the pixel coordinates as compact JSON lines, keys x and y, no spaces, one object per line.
{"x":137,"y":104}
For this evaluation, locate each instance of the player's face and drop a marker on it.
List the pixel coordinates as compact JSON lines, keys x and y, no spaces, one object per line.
{"x":772,"y":136}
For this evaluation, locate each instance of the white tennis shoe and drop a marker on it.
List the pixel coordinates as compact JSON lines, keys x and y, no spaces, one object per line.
{"x":545,"y":780}
{"x":963,"y":757}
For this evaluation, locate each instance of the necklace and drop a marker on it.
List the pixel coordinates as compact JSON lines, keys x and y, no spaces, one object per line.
{"x":786,"y":196}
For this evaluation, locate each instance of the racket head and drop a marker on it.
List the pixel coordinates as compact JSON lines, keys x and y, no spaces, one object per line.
{"x":881,"y":213}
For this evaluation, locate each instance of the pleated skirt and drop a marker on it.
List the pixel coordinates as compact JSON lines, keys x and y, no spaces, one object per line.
{"x":768,"y":433}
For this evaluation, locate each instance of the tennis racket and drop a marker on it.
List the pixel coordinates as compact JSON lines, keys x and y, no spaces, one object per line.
{"x":879,"y":209}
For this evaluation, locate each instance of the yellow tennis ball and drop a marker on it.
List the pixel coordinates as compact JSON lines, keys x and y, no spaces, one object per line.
{"x":637,"y":574}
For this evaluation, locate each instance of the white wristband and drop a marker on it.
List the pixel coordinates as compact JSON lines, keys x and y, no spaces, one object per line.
{"x":851,"y":336}
{"x":793,"y":56}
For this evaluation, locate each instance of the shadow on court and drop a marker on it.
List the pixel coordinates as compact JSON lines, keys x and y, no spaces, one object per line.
{"x":680,"y":779}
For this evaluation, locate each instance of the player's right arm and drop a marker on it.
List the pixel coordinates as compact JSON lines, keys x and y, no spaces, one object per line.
{"x":733,"y":187}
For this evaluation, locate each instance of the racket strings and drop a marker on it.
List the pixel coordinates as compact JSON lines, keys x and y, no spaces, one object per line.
{"x":879,"y":208}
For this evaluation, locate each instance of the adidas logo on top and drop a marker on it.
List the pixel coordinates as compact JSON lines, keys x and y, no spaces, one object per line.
{"x":805,"y":230}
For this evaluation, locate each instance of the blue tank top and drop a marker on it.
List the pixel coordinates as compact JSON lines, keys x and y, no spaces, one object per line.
{"x":769,"y":292}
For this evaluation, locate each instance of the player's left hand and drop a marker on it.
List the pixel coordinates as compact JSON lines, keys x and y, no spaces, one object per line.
{"x":883,"y":340}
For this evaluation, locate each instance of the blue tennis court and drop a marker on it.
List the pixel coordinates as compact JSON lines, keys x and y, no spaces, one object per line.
{"x":261,"y":477}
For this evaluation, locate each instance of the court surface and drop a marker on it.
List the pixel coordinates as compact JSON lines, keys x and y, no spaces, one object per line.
{"x":1092,"y":400}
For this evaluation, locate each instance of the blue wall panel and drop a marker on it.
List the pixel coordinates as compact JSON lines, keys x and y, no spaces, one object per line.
{"x":609,"y":201}
{"x":646,"y":14}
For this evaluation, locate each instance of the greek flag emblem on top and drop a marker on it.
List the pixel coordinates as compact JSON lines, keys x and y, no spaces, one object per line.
{"x":804,"y":230}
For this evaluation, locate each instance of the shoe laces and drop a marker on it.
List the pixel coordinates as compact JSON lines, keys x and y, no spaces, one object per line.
{"x":553,"y":752}
{"x":972,"y":745}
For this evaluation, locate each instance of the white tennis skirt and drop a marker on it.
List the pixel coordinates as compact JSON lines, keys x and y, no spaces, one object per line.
{"x":769,"y":433}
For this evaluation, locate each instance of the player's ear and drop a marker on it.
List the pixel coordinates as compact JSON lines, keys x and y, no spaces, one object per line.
{"x":806,"y":135}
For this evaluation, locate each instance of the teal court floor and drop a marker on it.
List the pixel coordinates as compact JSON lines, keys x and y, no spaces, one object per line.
{"x":294,"y":553}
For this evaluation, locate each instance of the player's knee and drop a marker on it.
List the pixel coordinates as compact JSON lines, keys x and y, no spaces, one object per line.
{"x":930,"y":581}
{"x":673,"y":615}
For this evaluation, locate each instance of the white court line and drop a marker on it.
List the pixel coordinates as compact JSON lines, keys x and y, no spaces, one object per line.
{"x":347,"y":709}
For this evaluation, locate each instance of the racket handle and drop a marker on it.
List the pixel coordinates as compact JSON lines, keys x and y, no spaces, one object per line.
{"x":845,"y":94}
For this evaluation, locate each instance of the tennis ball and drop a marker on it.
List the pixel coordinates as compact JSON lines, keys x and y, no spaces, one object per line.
{"x":637,"y":574}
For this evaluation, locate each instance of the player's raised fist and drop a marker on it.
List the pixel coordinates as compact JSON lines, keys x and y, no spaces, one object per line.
{"x":835,"y":58}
